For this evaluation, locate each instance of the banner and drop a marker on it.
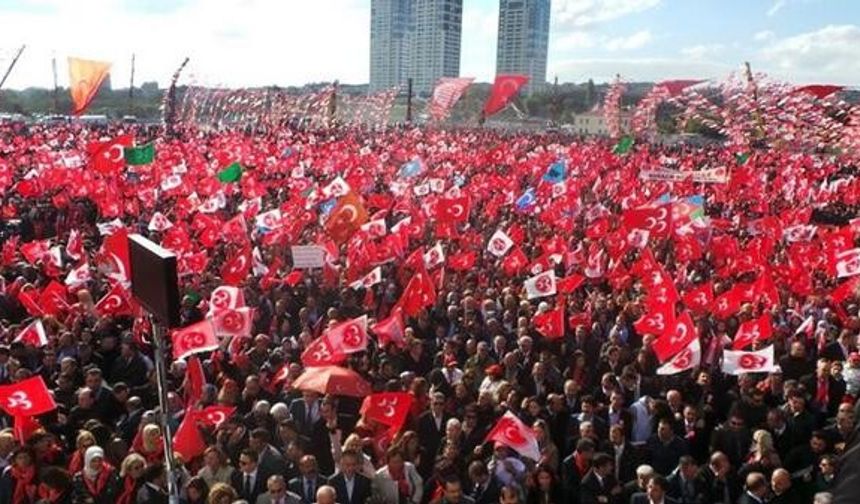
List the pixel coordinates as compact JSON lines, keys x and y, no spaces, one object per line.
{"x":709,"y":176}
{"x":308,"y":256}
{"x":446,"y":94}
{"x":85,"y":78}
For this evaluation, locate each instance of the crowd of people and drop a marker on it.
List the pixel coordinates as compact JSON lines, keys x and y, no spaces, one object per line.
{"x":610,"y":429}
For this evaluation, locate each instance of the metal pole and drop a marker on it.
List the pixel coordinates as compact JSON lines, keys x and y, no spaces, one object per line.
{"x":167,"y":435}
{"x":131,"y":86}
{"x":409,"y":100}
{"x":11,"y":66}
{"x":56,"y":88}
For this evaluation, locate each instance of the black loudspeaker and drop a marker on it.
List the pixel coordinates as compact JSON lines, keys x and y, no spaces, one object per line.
{"x":153,"y":279}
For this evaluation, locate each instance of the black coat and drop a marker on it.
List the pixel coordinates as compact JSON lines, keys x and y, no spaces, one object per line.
{"x":489,"y":495}
{"x":591,"y":491}
{"x":710,"y":490}
{"x":107,"y":495}
{"x":360,"y":490}
{"x":237,"y":481}
{"x":431,"y":441}
{"x":297,"y":486}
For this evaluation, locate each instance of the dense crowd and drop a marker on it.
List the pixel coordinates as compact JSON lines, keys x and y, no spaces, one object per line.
{"x":610,"y":429}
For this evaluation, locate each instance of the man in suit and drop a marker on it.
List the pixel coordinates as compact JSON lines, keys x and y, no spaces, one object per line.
{"x":756,"y":489}
{"x":277,"y":492}
{"x":575,"y":467}
{"x":431,"y":430}
{"x":351,"y":487}
{"x":624,"y":454}
{"x":453,"y":492}
{"x":665,"y":448}
{"x":599,"y":485}
{"x":841,"y":348}
{"x":325,"y":495}
{"x":270,"y":460}
{"x":682,"y":481}
{"x":247,"y":481}
{"x":307,"y":484}
{"x":824,"y":390}
{"x":306,"y":412}
{"x":715,"y":483}
{"x":485,"y":486}
{"x":655,"y":494}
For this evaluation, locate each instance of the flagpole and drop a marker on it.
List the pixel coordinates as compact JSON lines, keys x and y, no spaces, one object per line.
{"x":11,"y":66}
{"x":167,"y":435}
{"x":169,"y":105}
{"x":131,"y":86}
{"x":56,"y":87}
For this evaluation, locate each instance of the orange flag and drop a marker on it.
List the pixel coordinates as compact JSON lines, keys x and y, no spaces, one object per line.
{"x":85,"y":78}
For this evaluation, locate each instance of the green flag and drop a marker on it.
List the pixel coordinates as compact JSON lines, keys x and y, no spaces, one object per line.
{"x":140,"y":155}
{"x":624,"y":145}
{"x":230,"y":174}
{"x":742,"y":157}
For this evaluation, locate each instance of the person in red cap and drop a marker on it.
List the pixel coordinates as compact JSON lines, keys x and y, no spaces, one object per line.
{"x":453,"y":375}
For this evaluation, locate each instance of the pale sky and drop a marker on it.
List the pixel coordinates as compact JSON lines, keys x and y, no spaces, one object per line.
{"x":291,"y":42}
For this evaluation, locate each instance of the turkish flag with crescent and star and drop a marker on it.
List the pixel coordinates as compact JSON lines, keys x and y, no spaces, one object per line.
{"x":237,"y":268}
{"x":513,"y":433}
{"x":108,"y":158}
{"x":505,"y":87}
{"x":33,"y":335}
{"x":187,"y":440}
{"x":391,"y":329}
{"x":737,"y":362}
{"x":28,"y":397}
{"x":551,"y":323}
{"x":196,"y":338}
{"x":116,"y":302}
{"x":213,"y":416}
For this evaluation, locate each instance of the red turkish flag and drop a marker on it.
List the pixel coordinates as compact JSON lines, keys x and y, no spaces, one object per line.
{"x":54,"y":299}
{"x":419,"y":293}
{"x":33,"y":335}
{"x":464,"y":261}
{"x":108,"y":158}
{"x":213,"y":416}
{"x":350,"y":336}
{"x":505,"y":87}
{"x":236,"y":269}
{"x":752,"y":331}
{"x":387,"y":408}
{"x":390,"y":330}
{"x":115,"y":256}
{"x":512,"y":432}
{"x":115,"y":302}
{"x":195,"y":379}
{"x":28,"y":397}
{"x":187,"y":440}
{"x":196,"y":338}
{"x":27,"y":298}
{"x":700,"y":298}
{"x":727,"y":304}
{"x":321,"y":352}
{"x":569,"y":284}
{"x":676,"y":338}
{"x":453,"y":209}
{"x":551,"y":323}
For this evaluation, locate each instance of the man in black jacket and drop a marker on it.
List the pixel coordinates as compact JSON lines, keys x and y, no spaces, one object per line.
{"x":309,"y":482}
{"x":351,"y":487}
{"x":715,"y":483}
{"x":270,"y":461}
{"x":247,"y":481}
{"x":575,"y":467}
{"x":485,"y":487}
{"x":431,"y":430}
{"x":599,"y":486}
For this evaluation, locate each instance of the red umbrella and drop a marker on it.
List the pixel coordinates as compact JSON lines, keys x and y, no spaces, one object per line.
{"x":332,"y":380}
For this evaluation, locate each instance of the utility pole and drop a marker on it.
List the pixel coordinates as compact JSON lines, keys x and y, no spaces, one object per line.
{"x":11,"y":66}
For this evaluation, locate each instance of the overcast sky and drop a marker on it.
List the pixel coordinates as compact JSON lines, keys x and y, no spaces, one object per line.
{"x":289,"y":42}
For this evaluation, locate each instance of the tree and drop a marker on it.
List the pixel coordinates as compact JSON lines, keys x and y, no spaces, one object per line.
{"x":590,"y":94}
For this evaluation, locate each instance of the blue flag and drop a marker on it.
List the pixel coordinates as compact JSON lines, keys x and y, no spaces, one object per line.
{"x":327,"y":206}
{"x":556,"y":172}
{"x":527,"y":200}
{"x":412,"y":168}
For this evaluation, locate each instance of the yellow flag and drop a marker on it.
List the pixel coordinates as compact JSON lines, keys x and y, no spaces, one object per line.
{"x":85,"y":78}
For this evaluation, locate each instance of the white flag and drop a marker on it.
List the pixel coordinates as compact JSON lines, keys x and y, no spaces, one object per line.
{"x":337,"y":188}
{"x":687,"y":358}
{"x":847,"y":263}
{"x":736,"y":362}
{"x":78,"y":276}
{"x":499,"y":243}
{"x":541,"y":285}
{"x":434,"y":257}
{"x":159,"y":222}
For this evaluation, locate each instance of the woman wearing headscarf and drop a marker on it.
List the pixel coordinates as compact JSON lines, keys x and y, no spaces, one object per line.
{"x":97,"y":482}
{"x":18,"y":484}
{"x":84,"y":440}
{"x":130,"y":474}
{"x":148,"y":443}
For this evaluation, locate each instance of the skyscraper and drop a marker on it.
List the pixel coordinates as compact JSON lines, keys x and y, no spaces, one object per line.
{"x":390,"y":28}
{"x":523,"y":40}
{"x":436,"y":35}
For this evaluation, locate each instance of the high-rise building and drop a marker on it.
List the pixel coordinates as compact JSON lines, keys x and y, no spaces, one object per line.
{"x":418,"y":39}
{"x":436,"y":35}
{"x":524,"y":40}
{"x":390,"y":27}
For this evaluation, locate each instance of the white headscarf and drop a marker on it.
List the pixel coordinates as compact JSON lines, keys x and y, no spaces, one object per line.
{"x":91,"y":453}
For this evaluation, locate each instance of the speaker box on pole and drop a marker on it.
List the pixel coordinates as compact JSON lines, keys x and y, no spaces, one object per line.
{"x":153,"y":279}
